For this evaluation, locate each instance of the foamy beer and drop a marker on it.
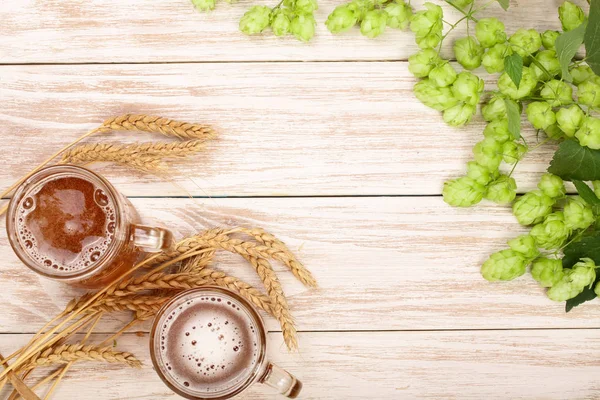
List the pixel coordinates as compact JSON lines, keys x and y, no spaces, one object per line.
{"x":70,"y":224}
{"x":210,"y":343}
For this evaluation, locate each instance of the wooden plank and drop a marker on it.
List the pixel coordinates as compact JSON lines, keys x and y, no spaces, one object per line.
{"x":285,"y":128}
{"x":381,"y":263}
{"x":109,"y":31}
{"x":544,"y":364}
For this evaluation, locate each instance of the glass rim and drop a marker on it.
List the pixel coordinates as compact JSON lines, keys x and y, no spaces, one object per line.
{"x":262,"y":335}
{"x":31,"y":183}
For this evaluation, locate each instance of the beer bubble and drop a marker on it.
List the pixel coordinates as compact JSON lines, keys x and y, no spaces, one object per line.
{"x":100,"y":198}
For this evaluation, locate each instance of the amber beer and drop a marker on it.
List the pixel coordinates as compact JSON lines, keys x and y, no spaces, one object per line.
{"x":70,"y":224}
{"x":209,"y":343}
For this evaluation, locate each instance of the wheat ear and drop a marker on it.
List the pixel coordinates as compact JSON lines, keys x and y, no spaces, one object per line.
{"x":164,"y":126}
{"x":64,"y":354}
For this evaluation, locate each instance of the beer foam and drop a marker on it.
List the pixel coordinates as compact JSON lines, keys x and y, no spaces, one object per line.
{"x":208,"y":344}
{"x":65,"y":224}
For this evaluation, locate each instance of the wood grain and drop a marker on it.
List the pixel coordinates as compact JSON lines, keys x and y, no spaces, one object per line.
{"x":381,"y":263}
{"x":285,"y":129}
{"x":533,"y":364}
{"x":110,"y":31}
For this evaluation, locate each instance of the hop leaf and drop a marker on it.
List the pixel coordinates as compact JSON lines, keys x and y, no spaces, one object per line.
{"x":552,"y":186}
{"x":552,"y":233}
{"x":589,"y":133}
{"x":504,"y":265}
{"x":399,"y":14}
{"x":570,"y":119}
{"x":341,"y":19}
{"x":490,"y":31}
{"x":570,"y":15}
{"x":525,"y":245}
{"x":502,"y":191}
{"x":255,"y":20}
{"x":303,"y":27}
{"x":374,"y":23}
{"x":548,"y":272}
{"x":532,"y":207}
{"x":540,"y":114}
{"x":462,"y":192}
{"x":468,"y":52}
{"x":525,"y":42}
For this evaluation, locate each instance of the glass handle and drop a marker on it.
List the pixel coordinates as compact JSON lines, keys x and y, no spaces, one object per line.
{"x":282,"y":381}
{"x":150,"y":239}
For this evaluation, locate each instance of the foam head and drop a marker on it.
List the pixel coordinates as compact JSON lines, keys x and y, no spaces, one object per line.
{"x":208,"y":344}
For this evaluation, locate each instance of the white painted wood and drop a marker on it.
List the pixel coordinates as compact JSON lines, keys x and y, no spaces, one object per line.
{"x":536,"y":364}
{"x":109,"y":31}
{"x":285,"y":128}
{"x":382,"y":264}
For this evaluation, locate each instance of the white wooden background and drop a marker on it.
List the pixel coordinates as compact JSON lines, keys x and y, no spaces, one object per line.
{"x":335,"y":156}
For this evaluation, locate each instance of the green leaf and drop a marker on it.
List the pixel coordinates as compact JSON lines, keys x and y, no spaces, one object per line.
{"x":504,"y":4}
{"x":567,"y":45}
{"x":514,"y":118}
{"x":592,"y":37}
{"x":587,"y":295}
{"x":586,"y":193}
{"x":588,"y":246}
{"x":574,"y":162}
{"x":513,"y":64}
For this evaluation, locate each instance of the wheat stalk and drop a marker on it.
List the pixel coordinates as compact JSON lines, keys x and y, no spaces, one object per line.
{"x":164,"y":126}
{"x":64,"y":354}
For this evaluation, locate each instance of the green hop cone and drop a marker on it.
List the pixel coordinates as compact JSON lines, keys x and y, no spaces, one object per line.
{"x":547,"y":58}
{"x":502,"y":191}
{"x":557,"y":93}
{"x":589,"y":133}
{"x":498,"y":130}
{"x":462,"y":192}
{"x":552,"y":233}
{"x":443,"y":75}
{"x":495,"y":109}
{"x":305,"y":6}
{"x":468,"y":87}
{"x":493,"y":59}
{"x":513,"y":152}
{"x":570,"y":119}
{"x":549,"y":39}
{"x":303,"y":27}
{"x":399,"y":14}
{"x":554,"y":132}
{"x":552,"y":186}
{"x":204,"y":5}
{"x":438,"y":98}
{"x":374,"y":23}
{"x":468,"y":52}
{"x":525,"y":245}
{"x":588,"y":93}
{"x":525,"y":42}
{"x":341,"y":19}
{"x":459,"y":114}
{"x":563,"y":290}
{"x":490,"y":31}
{"x":596,"y":185}
{"x":570,"y":15}
{"x":584,"y":273}
{"x":548,"y":272}
{"x":597,"y":289}
{"x":540,"y":114}
{"x":421,"y":63}
{"x":578,"y":214}
{"x":532,"y":207}
{"x":360,"y":8}
{"x":280,"y":23}
{"x":581,"y":73}
{"x":255,"y":20}
{"x":427,"y":25}
{"x":480,"y":174}
{"x":508,"y":88}
{"x":504,"y":265}
{"x":488,"y":153}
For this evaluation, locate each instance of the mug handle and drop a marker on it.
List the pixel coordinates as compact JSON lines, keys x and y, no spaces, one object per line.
{"x":150,"y":239}
{"x":282,"y":381}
